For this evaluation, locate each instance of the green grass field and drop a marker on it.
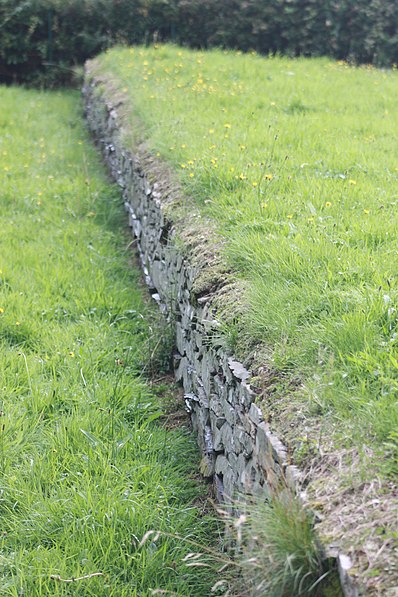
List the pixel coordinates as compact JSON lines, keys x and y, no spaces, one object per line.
{"x":296,"y":162}
{"x":87,"y":466}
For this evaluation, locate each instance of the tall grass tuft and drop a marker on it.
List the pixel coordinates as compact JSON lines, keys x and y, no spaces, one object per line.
{"x":278,"y":551}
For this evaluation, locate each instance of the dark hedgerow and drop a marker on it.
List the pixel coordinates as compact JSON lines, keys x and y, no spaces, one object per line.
{"x":42,"y":40}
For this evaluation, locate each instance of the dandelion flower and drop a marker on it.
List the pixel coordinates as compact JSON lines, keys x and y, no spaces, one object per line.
{"x":328,"y":204}
{"x":353,"y":182}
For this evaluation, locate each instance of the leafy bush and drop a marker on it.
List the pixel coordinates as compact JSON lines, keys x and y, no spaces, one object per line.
{"x":44,"y":39}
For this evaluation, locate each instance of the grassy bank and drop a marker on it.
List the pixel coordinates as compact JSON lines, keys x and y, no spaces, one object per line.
{"x":295,"y":161}
{"x":86,"y":465}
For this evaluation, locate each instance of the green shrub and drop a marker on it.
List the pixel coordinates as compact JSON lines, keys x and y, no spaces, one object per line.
{"x":45,"y":39}
{"x":42,"y":40}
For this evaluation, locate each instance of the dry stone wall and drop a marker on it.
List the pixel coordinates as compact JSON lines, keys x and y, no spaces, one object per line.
{"x":238,"y":449}
{"x":239,"y":452}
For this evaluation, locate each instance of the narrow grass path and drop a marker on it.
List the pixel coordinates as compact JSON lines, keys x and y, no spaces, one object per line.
{"x":86,"y":467}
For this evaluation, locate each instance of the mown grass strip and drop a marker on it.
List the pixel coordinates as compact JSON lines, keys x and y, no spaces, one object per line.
{"x":86,"y":467}
{"x":295,"y":160}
